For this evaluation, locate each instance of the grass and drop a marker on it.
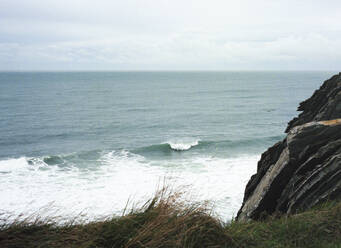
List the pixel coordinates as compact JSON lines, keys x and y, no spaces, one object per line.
{"x":319,"y":227}
{"x":166,"y":221}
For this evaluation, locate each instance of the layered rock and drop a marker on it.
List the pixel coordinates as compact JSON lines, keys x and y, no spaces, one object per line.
{"x":325,"y":104}
{"x":304,"y":169}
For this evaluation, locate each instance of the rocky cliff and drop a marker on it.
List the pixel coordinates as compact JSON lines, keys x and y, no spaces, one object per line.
{"x":305,"y":168}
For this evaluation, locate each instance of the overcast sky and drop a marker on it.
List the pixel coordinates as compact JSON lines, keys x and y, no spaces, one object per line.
{"x":170,"y":35}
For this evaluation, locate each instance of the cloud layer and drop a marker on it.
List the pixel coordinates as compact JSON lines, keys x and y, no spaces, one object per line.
{"x":170,"y":35}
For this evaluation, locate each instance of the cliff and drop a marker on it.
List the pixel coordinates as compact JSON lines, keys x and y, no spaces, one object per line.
{"x":304,"y":169}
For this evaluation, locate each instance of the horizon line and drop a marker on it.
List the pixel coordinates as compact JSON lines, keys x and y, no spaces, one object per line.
{"x":171,"y":70}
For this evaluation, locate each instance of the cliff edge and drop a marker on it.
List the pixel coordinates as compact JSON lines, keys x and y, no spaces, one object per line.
{"x":304,"y":169}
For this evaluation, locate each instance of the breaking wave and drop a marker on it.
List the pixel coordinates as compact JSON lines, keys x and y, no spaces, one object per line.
{"x":182,"y":146}
{"x":253,"y":146}
{"x":103,"y":187}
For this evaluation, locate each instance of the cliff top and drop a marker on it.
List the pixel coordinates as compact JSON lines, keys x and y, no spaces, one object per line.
{"x":324,"y":104}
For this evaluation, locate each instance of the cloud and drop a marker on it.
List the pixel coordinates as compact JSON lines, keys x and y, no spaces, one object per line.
{"x":136,"y":35}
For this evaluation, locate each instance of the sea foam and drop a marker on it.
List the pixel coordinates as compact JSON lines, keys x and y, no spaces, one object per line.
{"x":182,"y":146}
{"x":28,"y":185}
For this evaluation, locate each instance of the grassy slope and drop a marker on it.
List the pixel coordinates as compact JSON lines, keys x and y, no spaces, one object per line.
{"x":166,"y":222}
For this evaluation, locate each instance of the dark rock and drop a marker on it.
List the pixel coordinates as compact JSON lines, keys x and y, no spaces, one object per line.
{"x":324,"y":104}
{"x":268,"y":158}
{"x":305,"y":168}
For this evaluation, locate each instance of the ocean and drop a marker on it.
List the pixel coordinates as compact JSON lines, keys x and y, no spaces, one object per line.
{"x":89,"y":142}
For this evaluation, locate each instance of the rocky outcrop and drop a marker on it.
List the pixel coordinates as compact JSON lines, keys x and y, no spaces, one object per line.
{"x":325,"y":104}
{"x":305,"y":168}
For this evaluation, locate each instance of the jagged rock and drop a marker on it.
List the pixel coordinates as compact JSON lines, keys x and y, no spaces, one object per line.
{"x":325,"y":104}
{"x":305,"y":168}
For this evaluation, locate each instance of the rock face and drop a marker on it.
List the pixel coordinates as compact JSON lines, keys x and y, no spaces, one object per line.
{"x":325,"y":104}
{"x":305,"y":168}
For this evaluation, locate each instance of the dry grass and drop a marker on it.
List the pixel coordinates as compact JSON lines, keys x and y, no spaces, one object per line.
{"x":168,"y":221}
{"x":164,"y":221}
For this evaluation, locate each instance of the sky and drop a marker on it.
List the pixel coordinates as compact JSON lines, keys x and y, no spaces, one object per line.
{"x":170,"y":35}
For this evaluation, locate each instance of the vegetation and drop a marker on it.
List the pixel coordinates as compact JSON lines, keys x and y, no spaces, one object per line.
{"x":166,"y":221}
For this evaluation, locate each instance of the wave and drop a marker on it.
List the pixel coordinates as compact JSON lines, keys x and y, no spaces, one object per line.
{"x":65,"y":162}
{"x":177,"y":149}
{"x":243,"y":146}
{"x":168,"y":147}
{"x":34,"y":184}
{"x":29,"y":163}
{"x":182,"y":146}
{"x":8,"y":165}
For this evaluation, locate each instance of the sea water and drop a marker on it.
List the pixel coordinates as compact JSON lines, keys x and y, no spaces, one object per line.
{"x":86,"y":142}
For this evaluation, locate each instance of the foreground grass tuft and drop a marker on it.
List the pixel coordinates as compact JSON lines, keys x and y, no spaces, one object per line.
{"x":166,"y":221}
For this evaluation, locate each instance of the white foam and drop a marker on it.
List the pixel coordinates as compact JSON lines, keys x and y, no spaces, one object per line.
{"x":27,"y":188}
{"x":182,"y":146}
{"x":8,"y":165}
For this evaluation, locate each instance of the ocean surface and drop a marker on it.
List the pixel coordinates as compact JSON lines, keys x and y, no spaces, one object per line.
{"x":86,"y":142}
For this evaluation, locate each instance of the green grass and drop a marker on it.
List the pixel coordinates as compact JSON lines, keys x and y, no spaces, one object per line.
{"x":319,"y":227}
{"x":165,"y":221}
